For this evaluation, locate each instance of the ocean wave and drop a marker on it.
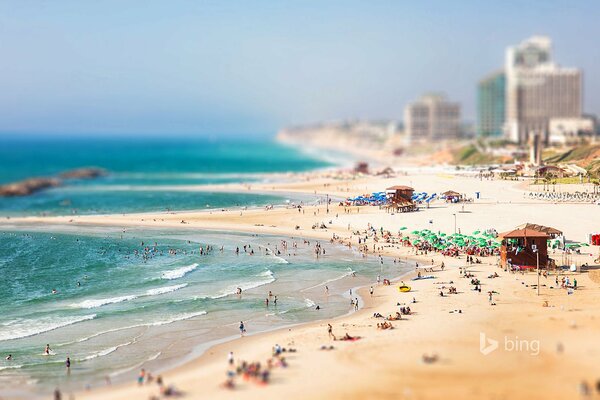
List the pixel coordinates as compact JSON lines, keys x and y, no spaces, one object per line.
{"x":180,"y":317}
{"x":27,"y":328}
{"x":166,"y":289}
{"x":179,"y":272}
{"x":309,"y":303}
{"x":109,"y":350}
{"x":350,"y":272}
{"x":280,"y":260}
{"x":135,"y":366}
{"x":11,"y":367}
{"x":266,"y":278}
{"x":95,"y":303}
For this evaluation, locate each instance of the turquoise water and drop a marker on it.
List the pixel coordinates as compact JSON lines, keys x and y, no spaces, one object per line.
{"x":144,"y":174}
{"x":127,"y":299}
{"x":137,"y":303}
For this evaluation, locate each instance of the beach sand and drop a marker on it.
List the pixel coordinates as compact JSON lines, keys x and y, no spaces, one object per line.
{"x":389,"y":363}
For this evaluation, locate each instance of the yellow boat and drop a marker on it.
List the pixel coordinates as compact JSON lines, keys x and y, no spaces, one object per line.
{"x":404,"y":288}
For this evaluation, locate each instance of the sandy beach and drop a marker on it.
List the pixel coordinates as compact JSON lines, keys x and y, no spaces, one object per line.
{"x":435,"y":352}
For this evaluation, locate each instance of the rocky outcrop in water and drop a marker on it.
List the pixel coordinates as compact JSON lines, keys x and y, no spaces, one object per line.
{"x":83,"y":173}
{"x":27,"y":187}
{"x":32,"y":185}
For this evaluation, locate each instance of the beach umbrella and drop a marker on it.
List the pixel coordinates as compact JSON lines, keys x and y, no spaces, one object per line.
{"x":403,"y":228}
{"x":476,"y":232}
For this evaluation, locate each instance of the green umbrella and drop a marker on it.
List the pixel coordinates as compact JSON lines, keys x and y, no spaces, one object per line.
{"x":403,"y":228}
{"x":476,"y":232}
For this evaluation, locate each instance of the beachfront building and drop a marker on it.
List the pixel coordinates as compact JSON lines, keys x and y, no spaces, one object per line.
{"x":432,"y":117}
{"x":564,"y":131}
{"x":522,"y":247}
{"x":491,"y":104}
{"x":400,"y":198}
{"x":538,"y":90}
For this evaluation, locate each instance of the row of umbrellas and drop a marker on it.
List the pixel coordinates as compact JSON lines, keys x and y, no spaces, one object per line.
{"x":441,"y":240}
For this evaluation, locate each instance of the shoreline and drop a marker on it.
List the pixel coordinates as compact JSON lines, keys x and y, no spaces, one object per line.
{"x":433,"y":330}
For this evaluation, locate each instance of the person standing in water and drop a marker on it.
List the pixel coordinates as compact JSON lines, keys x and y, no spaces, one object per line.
{"x":47,"y":350}
{"x":242,"y":328}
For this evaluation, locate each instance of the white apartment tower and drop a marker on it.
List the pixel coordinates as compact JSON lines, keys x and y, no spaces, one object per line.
{"x":537,"y":90}
{"x":432,"y":117}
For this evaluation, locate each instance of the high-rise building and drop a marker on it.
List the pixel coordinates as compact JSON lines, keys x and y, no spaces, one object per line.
{"x":432,"y":117}
{"x":491,"y":104}
{"x":537,"y":90}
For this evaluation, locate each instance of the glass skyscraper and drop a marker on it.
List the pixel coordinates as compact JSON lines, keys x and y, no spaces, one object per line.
{"x":491,"y":105}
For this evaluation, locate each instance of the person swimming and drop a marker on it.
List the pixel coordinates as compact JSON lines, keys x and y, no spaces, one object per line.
{"x":9,"y":357}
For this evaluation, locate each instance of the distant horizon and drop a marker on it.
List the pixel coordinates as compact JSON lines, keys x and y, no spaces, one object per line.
{"x":151,"y":68}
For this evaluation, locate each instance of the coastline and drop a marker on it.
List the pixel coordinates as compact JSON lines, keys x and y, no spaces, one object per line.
{"x":419,"y":333}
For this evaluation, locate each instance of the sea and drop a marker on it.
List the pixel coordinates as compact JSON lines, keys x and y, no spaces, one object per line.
{"x":116,"y":300}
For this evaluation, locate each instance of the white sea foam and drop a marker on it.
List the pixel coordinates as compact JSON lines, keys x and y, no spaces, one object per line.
{"x":280,"y":260}
{"x":180,"y":317}
{"x":104,"y":352}
{"x":265,"y":278}
{"x":179,"y":272}
{"x":309,"y":303}
{"x":27,"y":327}
{"x":94,"y":303}
{"x":166,"y":289}
{"x":11,"y":367}
{"x":350,"y":272}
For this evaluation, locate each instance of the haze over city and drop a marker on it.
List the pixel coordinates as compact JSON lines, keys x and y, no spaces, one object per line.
{"x":216,"y":68}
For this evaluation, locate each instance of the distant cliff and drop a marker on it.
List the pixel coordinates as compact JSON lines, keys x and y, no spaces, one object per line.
{"x":362,"y":140}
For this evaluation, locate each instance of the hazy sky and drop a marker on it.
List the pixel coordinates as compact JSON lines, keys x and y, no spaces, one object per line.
{"x":201,"y":67}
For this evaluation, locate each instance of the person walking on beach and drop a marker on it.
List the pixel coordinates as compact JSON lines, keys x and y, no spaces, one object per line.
{"x":68,"y":365}
{"x":242,"y":328}
{"x":371,"y":291}
{"x":356,"y":304}
{"x":230,"y":358}
{"x":330,"y":331}
{"x":141,"y":377}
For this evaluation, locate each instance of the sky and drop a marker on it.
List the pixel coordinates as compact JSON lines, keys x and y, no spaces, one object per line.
{"x":252,"y":67}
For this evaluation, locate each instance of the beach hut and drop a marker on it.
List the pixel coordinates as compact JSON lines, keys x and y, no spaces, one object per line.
{"x":400,"y":198}
{"x":519,"y":248}
{"x":550,"y":171}
{"x":552,"y":232}
{"x":452,"y":196}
